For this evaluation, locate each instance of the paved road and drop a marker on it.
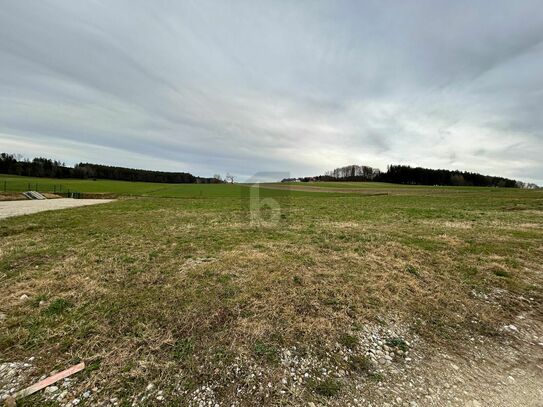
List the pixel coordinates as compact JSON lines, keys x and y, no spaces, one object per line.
{"x":17,"y":208}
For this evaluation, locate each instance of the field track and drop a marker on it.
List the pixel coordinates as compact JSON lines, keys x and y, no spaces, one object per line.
{"x":18,"y":208}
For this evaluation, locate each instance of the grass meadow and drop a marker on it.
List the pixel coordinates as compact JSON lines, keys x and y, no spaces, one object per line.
{"x":172,"y":285}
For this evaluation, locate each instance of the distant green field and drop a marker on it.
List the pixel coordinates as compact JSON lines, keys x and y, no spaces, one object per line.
{"x":383,"y":185}
{"x":346,"y":184}
{"x":20,"y":184}
{"x":11,"y":183}
{"x":186,"y":293}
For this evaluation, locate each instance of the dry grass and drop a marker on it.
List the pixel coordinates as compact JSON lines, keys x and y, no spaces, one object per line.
{"x":182,"y":293}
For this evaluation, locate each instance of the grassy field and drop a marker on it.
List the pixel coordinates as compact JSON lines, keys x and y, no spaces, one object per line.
{"x":187,"y":295}
{"x":20,"y":184}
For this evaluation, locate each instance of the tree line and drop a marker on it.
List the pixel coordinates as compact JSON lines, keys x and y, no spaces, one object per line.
{"x":405,"y":174}
{"x":45,"y":167}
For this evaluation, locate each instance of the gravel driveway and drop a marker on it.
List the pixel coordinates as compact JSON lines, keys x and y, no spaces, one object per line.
{"x":17,"y":208}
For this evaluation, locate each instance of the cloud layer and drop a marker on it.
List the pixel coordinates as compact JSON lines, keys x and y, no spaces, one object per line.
{"x":245,"y":86}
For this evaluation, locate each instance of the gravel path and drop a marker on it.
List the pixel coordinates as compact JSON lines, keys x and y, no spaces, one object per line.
{"x":17,"y":208}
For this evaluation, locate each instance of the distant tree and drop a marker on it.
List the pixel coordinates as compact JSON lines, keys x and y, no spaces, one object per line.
{"x":229,"y":178}
{"x":404,"y":174}
{"x":45,"y":167}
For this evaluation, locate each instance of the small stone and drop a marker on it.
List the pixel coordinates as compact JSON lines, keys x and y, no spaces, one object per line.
{"x":75,"y":402}
{"x":23,"y":297}
{"x":2,"y":316}
{"x":150,"y":387}
{"x":51,"y":389}
{"x":510,"y":328}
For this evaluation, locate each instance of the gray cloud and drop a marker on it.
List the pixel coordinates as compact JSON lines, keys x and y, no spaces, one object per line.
{"x":248,"y":86}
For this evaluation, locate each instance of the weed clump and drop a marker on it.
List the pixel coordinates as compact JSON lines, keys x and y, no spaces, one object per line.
{"x":411,"y":270}
{"x":398,"y":343}
{"x":349,"y":341}
{"x":327,"y":388}
{"x":266,"y":351}
{"x":502,"y":273}
{"x":57,"y":307}
{"x":360,"y":364}
{"x":183,"y":348}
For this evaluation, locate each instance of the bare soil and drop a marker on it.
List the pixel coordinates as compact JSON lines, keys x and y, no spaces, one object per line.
{"x":18,"y":208}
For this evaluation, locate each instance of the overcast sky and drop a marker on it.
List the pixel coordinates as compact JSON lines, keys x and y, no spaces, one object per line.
{"x":291,"y":86}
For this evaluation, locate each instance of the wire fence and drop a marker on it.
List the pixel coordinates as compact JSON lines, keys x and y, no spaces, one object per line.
{"x":21,"y":186}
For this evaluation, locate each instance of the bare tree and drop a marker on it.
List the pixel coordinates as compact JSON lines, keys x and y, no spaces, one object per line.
{"x":229,"y":178}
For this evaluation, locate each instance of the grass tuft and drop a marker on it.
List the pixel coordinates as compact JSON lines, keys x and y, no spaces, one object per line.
{"x":502,"y":273}
{"x":411,"y":270}
{"x":349,"y":341}
{"x":183,"y":348}
{"x":266,"y":351}
{"x":398,"y":343}
{"x":360,"y":364}
{"x":57,"y":307}
{"x":327,"y":388}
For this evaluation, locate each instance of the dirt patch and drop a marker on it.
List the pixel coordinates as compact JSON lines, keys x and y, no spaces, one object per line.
{"x":18,"y":208}
{"x":11,"y":196}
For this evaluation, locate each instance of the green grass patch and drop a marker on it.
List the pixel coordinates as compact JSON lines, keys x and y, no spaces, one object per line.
{"x":57,"y":307}
{"x":327,"y":388}
{"x":266,"y":351}
{"x":183,"y":348}
{"x":412,"y":270}
{"x":349,"y":341}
